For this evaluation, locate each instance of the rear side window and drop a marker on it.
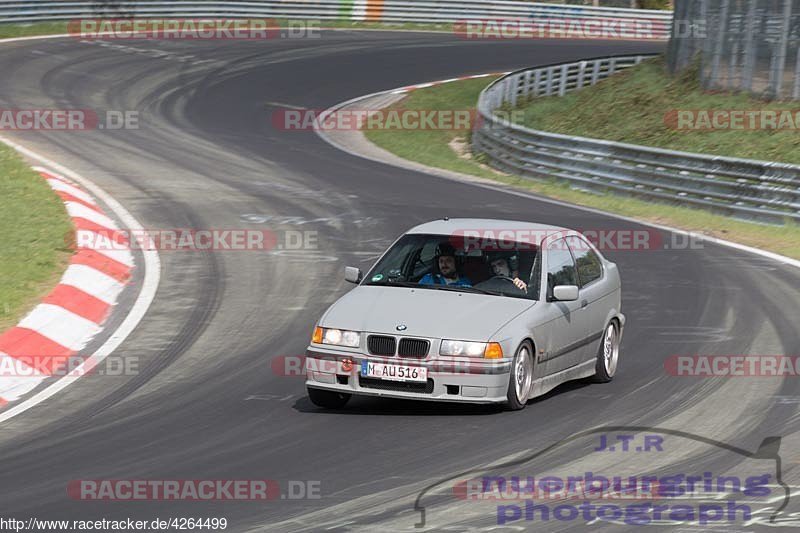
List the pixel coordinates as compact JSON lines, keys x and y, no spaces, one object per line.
{"x":560,"y":265}
{"x":590,"y":268}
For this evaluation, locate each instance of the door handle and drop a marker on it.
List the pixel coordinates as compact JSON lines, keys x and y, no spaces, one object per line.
{"x":584,"y":304}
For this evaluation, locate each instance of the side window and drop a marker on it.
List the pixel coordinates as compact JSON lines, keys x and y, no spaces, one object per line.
{"x":424,"y":261}
{"x":590,"y":268}
{"x":560,"y":265}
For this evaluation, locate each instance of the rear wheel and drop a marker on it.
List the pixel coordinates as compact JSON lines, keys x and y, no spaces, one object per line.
{"x":608,"y":354}
{"x":327,"y":398}
{"x":521,"y":379}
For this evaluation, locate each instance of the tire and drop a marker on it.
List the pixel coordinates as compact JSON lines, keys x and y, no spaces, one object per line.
{"x":327,"y":399}
{"x":520,"y":380}
{"x":607,"y":354}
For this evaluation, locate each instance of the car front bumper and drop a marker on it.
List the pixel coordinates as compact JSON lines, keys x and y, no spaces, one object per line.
{"x":477,"y":381}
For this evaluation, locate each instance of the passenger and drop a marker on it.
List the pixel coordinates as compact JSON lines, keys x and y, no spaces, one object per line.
{"x":448,"y":272}
{"x":506,"y":266}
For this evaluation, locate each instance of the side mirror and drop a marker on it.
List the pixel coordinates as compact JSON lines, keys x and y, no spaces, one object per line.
{"x":353,"y":275}
{"x":565,"y":293}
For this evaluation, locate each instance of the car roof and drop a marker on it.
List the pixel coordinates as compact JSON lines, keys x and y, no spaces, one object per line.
{"x":487,"y":225}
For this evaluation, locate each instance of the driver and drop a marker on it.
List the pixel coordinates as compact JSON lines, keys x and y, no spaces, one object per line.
{"x":501,"y":266}
{"x":448,"y":273}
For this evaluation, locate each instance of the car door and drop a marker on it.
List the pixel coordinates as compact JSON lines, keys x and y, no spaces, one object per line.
{"x":557,"y":335}
{"x":592,"y":297}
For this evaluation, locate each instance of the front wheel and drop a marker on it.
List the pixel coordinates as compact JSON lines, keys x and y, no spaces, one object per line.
{"x":521,"y":377}
{"x":608,"y":354}
{"x":327,"y":398}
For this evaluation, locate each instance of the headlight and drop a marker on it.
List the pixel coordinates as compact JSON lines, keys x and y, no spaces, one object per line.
{"x":489,"y":350}
{"x":471,"y":349}
{"x":337,"y":337}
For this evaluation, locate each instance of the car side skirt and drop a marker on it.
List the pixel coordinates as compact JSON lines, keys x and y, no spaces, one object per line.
{"x":548,"y":383}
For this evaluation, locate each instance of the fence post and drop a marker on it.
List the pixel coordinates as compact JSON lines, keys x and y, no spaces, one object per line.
{"x":733,"y":60}
{"x":527,"y":82}
{"x":514,"y":89}
{"x":750,"y":47}
{"x":581,"y":72}
{"x":778,"y":66}
{"x":796,"y":93}
{"x":595,"y":71}
{"x":673,"y":45}
{"x":717,"y":57}
{"x":683,"y":46}
{"x":705,"y":54}
{"x":562,"y":89}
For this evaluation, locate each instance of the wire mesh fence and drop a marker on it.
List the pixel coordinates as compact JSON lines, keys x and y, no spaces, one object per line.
{"x":749,"y":45}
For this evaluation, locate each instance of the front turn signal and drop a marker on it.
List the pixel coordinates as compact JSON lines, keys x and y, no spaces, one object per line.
{"x":493,"y":351}
{"x":316,"y":338}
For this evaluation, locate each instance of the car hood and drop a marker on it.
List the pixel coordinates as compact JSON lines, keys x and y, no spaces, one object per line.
{"x":424,"y":312}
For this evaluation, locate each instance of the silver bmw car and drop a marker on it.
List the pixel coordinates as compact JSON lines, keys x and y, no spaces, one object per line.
{"x":470,"y":310}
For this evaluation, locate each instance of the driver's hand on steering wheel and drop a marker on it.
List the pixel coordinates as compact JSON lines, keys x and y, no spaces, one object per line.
{"x":521,"y":285}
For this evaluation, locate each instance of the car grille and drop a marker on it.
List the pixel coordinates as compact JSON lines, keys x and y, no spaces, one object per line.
{"x":413,"y":348}
{"x":381,"y":345}
{"x":398,"y":386}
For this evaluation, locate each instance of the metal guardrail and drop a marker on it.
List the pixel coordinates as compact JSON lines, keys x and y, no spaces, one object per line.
{"x":390,"y":11}
{"x":756,"y":190}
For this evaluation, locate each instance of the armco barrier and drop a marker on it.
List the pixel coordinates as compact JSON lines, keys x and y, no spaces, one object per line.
{"x":390,"y":11}
{"x":758,"y":190}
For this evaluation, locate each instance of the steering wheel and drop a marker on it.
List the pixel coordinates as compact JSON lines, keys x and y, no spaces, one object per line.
{"x":509,"y":280}
{"x":504,"y":278}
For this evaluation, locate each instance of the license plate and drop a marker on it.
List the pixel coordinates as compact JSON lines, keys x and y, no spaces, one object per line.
{"x":393,"y":372}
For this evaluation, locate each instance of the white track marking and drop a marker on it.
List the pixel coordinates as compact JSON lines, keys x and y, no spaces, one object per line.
{"x":77,"y":210}
{"x":104,"y":245}
{"x":93,"y":282}
{"x":63,"y":186}
{"x":17,"y":378}
{"x":60,"y":325}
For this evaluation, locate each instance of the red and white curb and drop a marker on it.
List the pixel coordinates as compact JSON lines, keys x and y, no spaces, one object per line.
{"x":410,"y":88}
{"x":47,"y":340}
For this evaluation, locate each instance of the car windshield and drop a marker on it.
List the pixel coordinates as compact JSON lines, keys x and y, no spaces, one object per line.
{"x":443,"y":262}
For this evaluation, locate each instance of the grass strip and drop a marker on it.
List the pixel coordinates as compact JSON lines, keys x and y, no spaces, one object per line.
{"x":444,"y":149}
{"x":34,"y":241}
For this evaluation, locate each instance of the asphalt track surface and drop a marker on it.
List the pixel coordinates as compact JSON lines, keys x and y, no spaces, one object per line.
{"x":206,"y":403}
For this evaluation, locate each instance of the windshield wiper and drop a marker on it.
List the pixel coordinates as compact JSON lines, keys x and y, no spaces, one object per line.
{"x":397,"y":283}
